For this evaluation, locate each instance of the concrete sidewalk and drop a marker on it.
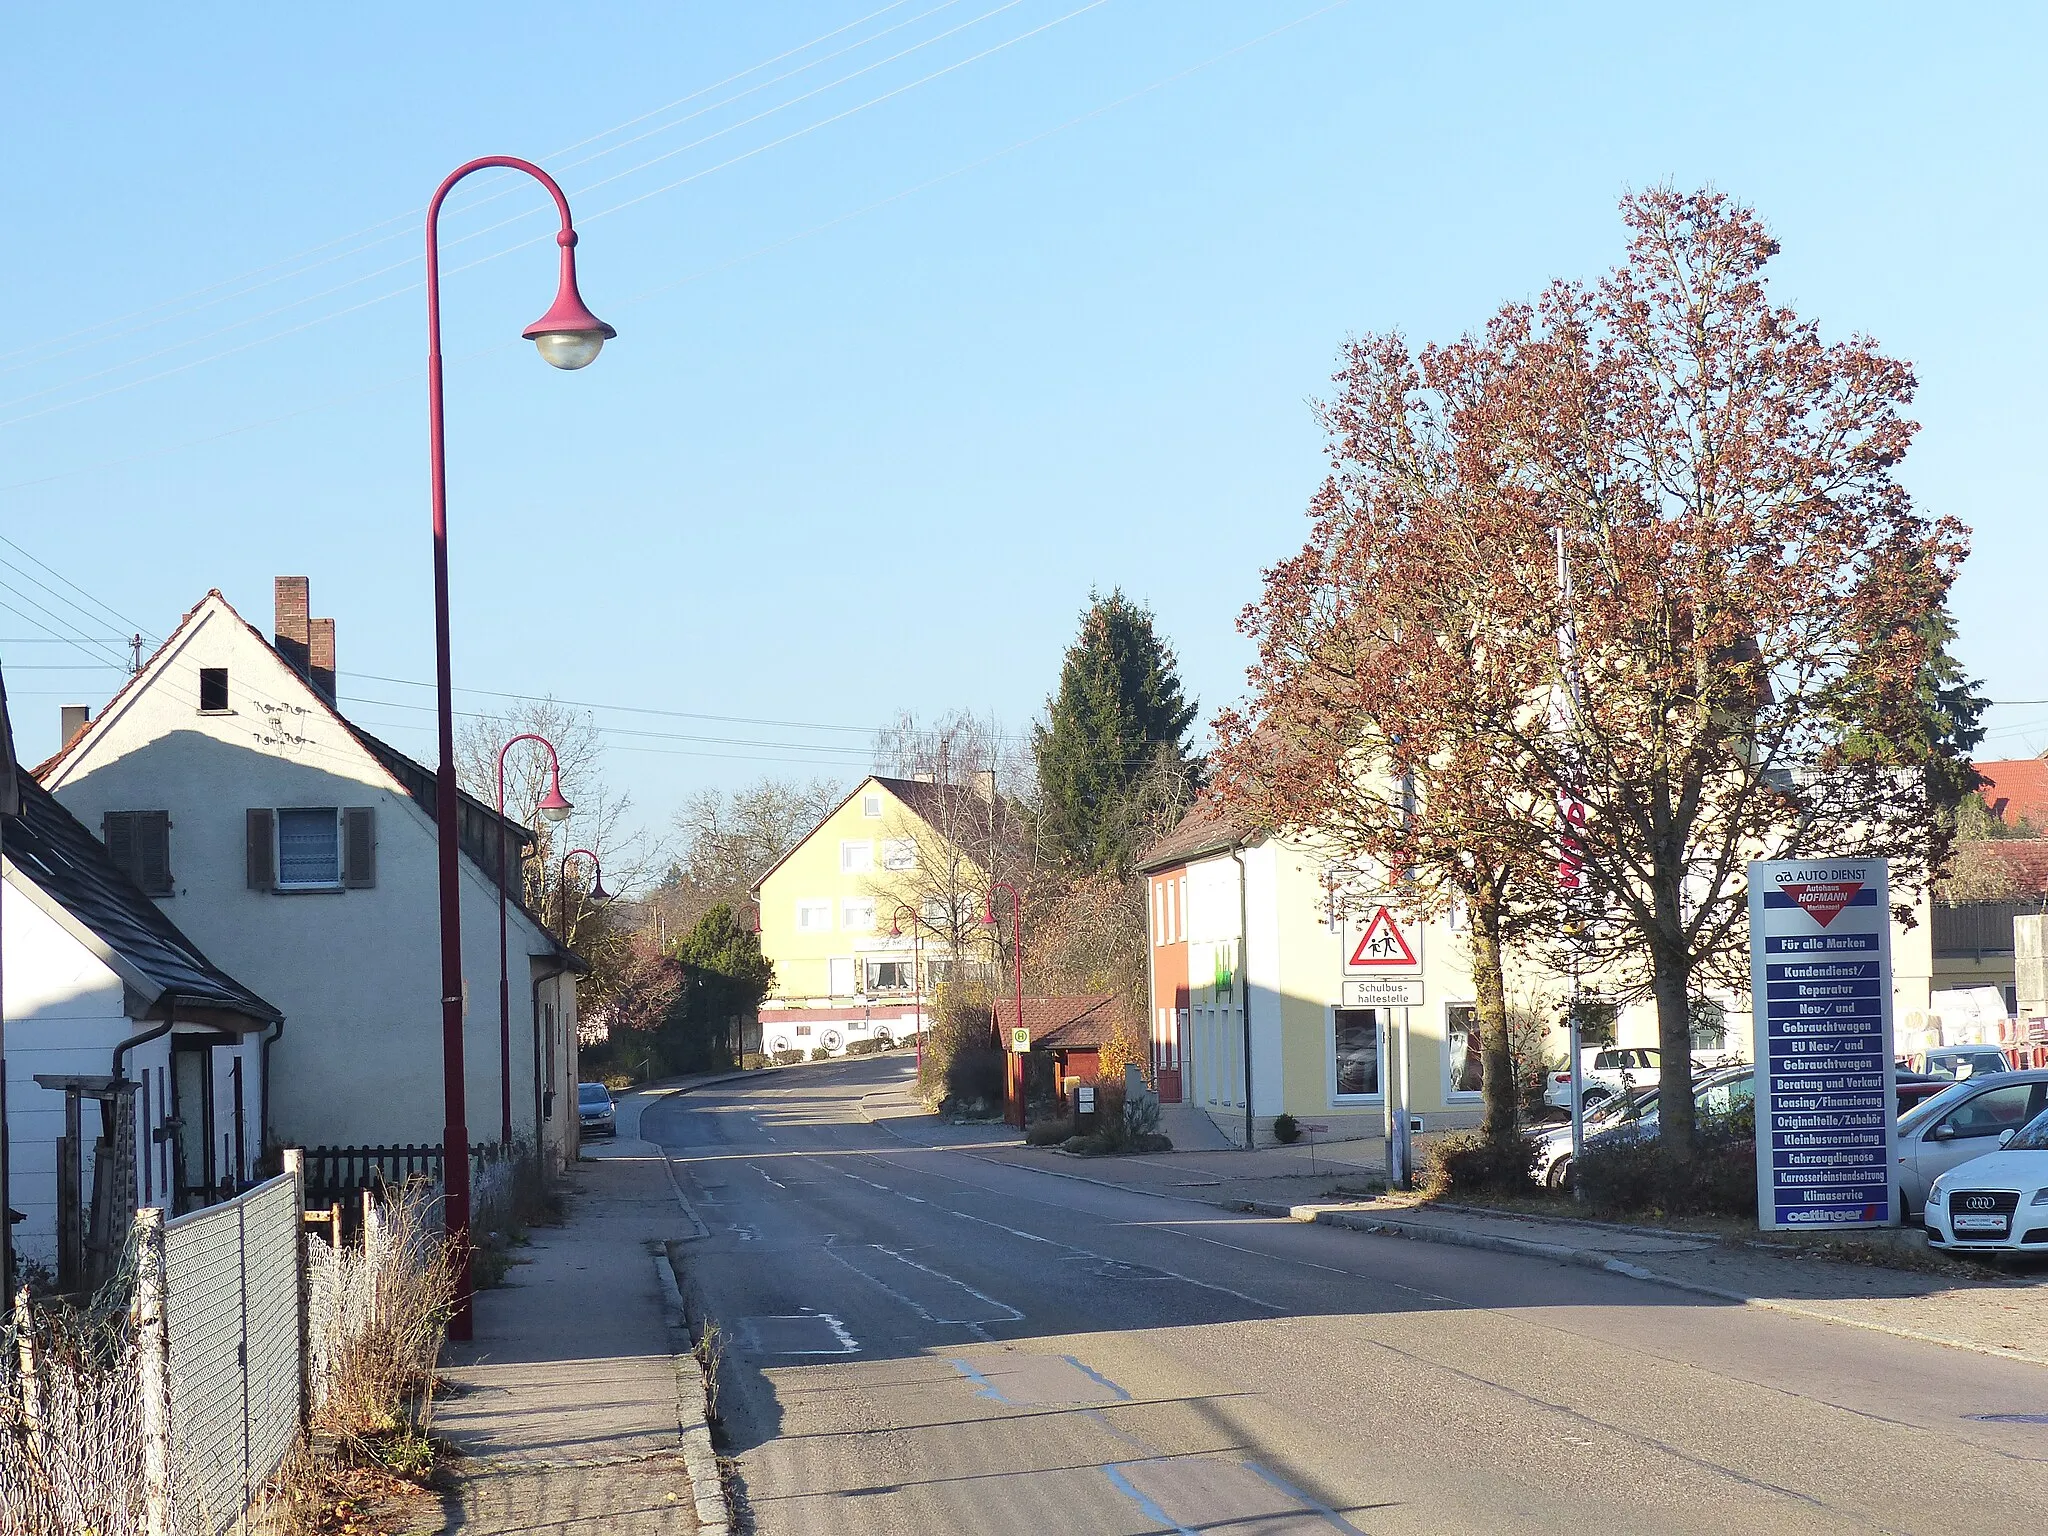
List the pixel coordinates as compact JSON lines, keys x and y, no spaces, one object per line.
{"x":2005,"y":1315}
{"x":577,"y":1407}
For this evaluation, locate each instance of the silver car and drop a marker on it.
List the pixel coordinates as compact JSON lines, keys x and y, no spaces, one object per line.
{"x":1960,"y":1123}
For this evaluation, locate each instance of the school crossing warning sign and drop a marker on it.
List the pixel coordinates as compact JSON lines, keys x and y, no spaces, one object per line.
{"x":1381,"y":943}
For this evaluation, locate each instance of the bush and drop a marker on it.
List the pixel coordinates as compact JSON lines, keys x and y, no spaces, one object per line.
{"x":865,"y":1047}
{"x":821,"y":1053}
{"x":788,"y":1058}
{"x":1468,"y":1163}
{"x":753,"y":1061}
{"x":1048,"y":1133}
{"x":1637,"y":1178}
{"x":974,"y":1078}
{"x":1286,"y":1129}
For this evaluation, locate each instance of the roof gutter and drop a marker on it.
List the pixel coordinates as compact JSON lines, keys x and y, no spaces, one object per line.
{"x":170,"y":1001}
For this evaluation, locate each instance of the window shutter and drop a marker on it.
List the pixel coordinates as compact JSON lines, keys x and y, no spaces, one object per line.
{"x":153,"y":851}
{"x":359,"y":847}
{"x":262,"y":849}
{"x":117,"y":831}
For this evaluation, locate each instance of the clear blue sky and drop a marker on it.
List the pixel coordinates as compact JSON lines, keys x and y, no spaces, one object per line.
{"x":894,"y":389}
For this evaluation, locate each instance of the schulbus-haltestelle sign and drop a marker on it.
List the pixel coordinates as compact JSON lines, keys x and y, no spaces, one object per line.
{"x":1821,"y":987}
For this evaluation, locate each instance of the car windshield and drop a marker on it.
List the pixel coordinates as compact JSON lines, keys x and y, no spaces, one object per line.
{"x":2031,"y":1137}
{"x":594,"y":1095}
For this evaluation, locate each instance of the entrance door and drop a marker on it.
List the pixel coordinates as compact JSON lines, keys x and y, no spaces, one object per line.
{"x":839,"y":975}
{"x":1358,"y":1039}
{"x":192,"y":1109}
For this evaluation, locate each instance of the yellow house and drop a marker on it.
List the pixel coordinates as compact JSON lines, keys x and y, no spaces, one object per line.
{"x":870,"y":911}
{"x":1247,"y":925}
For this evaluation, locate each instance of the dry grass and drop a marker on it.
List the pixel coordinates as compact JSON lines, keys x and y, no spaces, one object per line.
{"x":71,"y":1437}
{"x":379,"y":1317}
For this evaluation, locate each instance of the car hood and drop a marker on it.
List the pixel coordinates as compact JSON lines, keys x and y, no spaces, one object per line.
{"x":1999,"y":1170}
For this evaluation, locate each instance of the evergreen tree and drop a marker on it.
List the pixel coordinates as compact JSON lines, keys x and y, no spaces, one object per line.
{"x":1115,"y":738}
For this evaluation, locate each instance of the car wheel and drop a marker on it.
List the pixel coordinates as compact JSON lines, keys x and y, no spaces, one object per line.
{"x":1560,"y":1176}
{"x":829,"y":1039}
{"x":1595,"y":1097}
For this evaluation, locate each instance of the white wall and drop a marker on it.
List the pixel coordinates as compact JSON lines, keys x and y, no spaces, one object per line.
{"x":356,"y":972}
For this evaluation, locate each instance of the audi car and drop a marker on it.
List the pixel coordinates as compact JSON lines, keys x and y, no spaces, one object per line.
{"x":1997,"y":1203}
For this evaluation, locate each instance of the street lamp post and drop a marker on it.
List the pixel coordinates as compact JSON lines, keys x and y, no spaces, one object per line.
{"x":568,"y":336}
{"x":1013,"y":1073}
{"x":916,"y":974}
{"x":597,"y":890}
{"x":554,"y":808}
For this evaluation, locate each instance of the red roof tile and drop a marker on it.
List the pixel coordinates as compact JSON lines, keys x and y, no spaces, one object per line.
{"x":2016,"y":789}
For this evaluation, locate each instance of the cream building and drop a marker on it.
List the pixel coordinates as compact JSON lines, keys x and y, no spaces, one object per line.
{"x":301,"y":853}
{"x":870,"y":912}
{"x":1243,"y":924}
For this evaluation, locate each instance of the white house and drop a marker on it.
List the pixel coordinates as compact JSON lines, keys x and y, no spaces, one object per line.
{"x":101,"y":987}
{"x":301,"y":852}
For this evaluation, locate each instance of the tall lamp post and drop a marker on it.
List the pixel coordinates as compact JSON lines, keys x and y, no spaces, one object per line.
{"x":1014,"y":1068}
{"x":568,"y":336}
{"x":554,"y":808}
{"x":916,"y":973}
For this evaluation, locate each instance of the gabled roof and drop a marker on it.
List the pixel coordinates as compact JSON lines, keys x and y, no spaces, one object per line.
{"x":1205,"y":829}
{"x":9,"y":770}
{"x":932,"y":804}
{"x":413,"y":777}
{"x":1084,"y":1022}
{"x":53,"y":851}
{"x":2016,"y":789}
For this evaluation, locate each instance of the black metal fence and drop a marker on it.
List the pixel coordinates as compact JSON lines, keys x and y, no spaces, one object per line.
{"x":339,"y":1175}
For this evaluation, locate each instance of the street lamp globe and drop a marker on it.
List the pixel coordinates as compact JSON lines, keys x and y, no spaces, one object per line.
{"x":598,"y":892}
{"x":569,"y":335}
{"x":555,"y":808}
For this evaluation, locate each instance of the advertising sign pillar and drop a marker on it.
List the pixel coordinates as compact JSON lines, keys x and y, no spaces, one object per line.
{"x":1821,"y":992}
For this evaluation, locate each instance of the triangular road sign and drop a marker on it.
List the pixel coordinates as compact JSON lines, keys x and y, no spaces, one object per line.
{"x":1381,"y":943}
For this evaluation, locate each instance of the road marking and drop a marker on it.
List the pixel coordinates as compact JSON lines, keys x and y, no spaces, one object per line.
{"x":1001,"y":1311}
{"x":1146,"y":1507}
{"x":802,"y":1331}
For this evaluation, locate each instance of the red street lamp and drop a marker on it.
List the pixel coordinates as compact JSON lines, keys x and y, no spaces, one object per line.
{"x":554,"y":808}
{"x":916,"y":973}
{"x":1014,"y":1108}
{"x":568,"y":336}
{"x":597,"y":890}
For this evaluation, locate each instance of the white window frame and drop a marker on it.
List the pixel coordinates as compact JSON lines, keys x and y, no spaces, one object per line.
{"x":898,"y":855}
{"x":856,"y":856}
{"x":857,"y":914}
{"x":277,"y":847}
{"x":1346,"y":1100}
{"x":1454,"y":1094}
{"x":810,"y":905}
{"x":871,"y":806}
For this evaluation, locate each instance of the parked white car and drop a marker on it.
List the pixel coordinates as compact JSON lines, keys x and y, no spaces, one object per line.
{"x":1960,"y":1124}
{"x":1997,"y":1203}
{"x":1607,"y":1072}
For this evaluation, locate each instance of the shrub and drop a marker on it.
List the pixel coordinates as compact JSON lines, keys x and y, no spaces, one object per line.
{"x":821,"y":1053}
{"x":753,"y":1061}
{"x":1286,"y":1129}
{"x":1635,"y":1178}
{"x":1048,"y":1133}
{"x":788,"y":1058}
{"x":1468,"y":1163}
{"x":865,"y":1047}
{"x":961,"y":1020}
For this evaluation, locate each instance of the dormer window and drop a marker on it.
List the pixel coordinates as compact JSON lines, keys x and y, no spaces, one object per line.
{"x":213,"y":690}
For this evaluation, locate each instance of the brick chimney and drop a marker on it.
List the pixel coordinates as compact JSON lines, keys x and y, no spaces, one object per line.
{"x":322,"y":658}
{"x":293,"y":635}
{"x":74,"y":718}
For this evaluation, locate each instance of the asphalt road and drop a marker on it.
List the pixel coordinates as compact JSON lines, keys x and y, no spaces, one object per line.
{"x":919,"y":1342}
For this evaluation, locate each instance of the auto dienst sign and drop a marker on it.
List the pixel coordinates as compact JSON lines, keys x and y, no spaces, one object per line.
{"x":1821,"y":995}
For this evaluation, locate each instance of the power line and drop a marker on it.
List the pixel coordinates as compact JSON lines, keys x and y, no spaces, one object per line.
{"x":415,"y":213}
{"x":626,"y":709}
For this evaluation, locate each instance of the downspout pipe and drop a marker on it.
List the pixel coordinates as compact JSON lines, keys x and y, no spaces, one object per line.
{"x":1244,"y":982}
{"x":263,"y":1079}
{"x":170,"y":1001}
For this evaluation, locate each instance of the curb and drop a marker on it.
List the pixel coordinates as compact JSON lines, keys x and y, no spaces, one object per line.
{"x":700,"y":1460}
{"x":1593,"y":1258}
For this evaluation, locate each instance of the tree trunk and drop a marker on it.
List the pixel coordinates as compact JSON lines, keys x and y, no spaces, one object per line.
{"x":1669,"y":978}
{"x":1489,"y":987}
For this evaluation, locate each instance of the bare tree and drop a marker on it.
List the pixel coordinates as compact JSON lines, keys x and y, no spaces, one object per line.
{"x":730,"y":838}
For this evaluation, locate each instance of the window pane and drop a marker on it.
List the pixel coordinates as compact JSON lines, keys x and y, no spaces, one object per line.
{"x":1461,"y":1033}
{"x":899,"y":853}
{"x":857,"y":915}
{"x":856,"y":858}
{"x":1358,"y":1050}
{"x":2001,"y":1109}
{"x":308,"y":847}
